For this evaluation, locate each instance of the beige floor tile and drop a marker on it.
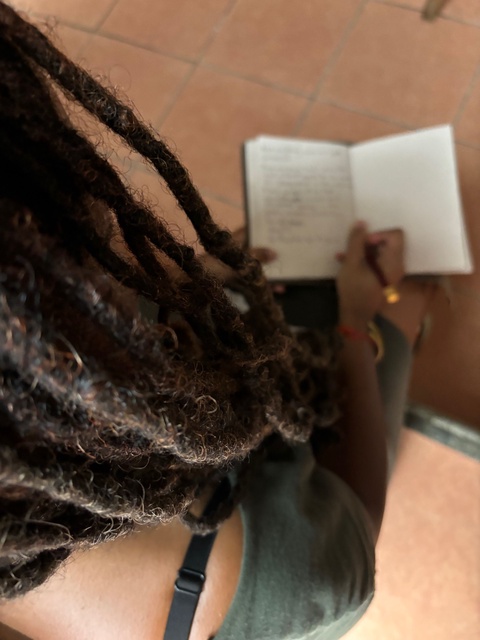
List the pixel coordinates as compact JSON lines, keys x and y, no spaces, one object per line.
{"x":328,"y":122}
{"x":428,"y":561}
{"x":214,"y":115}
{"x":468,"y":127}
{"x":446,"y":372}
{"x":276,"y":42}
{"x":401,"y":67}
{"x":181,"y":28}
{"x":469,"y":173}
{"x":83,"y":13}
{"x":467,"y":10}
{"x":149,"y":80}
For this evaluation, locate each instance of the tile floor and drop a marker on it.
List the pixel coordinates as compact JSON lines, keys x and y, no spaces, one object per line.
{"x":207,"y":75}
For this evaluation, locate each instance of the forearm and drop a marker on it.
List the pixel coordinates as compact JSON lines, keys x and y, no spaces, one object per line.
{"x":361,"y":459}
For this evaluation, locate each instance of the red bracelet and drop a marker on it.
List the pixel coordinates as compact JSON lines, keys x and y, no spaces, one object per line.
{"x":353,"y":334}
{"x":350,"y":332}
{"x":374,"y":337}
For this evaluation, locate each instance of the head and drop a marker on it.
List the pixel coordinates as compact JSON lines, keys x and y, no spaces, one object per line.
{"x":106,"y":420}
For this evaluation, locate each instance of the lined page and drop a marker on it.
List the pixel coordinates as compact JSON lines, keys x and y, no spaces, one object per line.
{"x":299,"y":203}
{"x":410,"y":181}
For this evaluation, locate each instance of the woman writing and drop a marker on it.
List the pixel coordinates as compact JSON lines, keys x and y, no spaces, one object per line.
{"x":126,"y":442}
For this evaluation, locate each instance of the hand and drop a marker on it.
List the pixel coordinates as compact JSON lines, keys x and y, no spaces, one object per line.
{"x":359,"y":290}
{"x":222,"y":271}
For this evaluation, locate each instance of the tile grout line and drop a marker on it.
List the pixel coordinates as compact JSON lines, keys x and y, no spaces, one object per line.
{"x":42,"y":18}
{"x":368,"y":114}
{"x":339,"y":48}
{"x":108,"y":35}
{"x":330,"y":65}
{"x":45,"y":17}
{"x":263,"y":83}
{"x":466,"y":97}
{"x":106,"y":14}
{"x":397,"y":123}
{"x":467,"y":145}
{"x":232,"y":203}
{"x":176,"y":94}
{"x":398,"y":5}
{"x":216,"y":29}
{"x":195,"y":65}
{"x":460,"y":21}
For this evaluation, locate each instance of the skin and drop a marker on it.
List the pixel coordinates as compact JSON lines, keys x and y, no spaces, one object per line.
{"x":126,"y":585}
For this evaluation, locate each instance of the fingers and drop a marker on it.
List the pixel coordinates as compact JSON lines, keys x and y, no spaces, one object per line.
{"x":240,"y":236}
{"x":375,"y":239}
{"x":263,"y":254}
{"x":388,"y":245}
{"x":391,"y":257}
{"x":393,"y":239}
{"x":356,"y":243}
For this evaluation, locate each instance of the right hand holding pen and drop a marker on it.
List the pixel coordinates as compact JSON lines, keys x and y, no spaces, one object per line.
{"x":360,"y":292}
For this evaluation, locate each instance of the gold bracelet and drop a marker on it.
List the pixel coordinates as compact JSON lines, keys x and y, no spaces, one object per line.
{"x":376,"y":336}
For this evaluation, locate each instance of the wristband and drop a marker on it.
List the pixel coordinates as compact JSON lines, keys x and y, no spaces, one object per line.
{"x":373,"y":336}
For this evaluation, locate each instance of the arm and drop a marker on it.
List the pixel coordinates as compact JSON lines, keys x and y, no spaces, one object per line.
{"x":361,"y":459}
{"x":8,"y":633}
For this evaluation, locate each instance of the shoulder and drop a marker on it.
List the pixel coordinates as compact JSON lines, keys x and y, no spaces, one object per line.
{"x":305,"y":532}
{"x":124,"y":588}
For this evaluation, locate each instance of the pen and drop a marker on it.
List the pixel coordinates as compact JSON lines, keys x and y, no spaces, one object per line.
{"x":391,"y":294}
{"x":371,"y":252}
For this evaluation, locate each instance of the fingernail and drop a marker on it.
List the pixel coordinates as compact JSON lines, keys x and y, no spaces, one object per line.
{"x":360,"y":224}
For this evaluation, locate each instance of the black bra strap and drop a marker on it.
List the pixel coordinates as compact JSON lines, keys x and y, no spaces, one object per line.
{"x":191,"y":576}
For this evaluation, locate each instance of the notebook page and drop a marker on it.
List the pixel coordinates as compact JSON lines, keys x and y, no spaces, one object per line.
{"x":410,"y":181}
{"x":299,"y":204}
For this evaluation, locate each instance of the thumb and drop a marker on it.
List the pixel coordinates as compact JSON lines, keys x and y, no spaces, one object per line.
{"x":356,"y":243}
{"x":263,"y":254}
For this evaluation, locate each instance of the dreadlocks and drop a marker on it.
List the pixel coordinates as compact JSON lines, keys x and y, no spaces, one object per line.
{"x":108,"y":421}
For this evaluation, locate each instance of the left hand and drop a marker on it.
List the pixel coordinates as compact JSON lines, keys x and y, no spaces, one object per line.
{"x":222,"y":271}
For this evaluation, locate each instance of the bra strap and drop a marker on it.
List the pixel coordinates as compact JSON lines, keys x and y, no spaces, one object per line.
{"x":191,"y":576}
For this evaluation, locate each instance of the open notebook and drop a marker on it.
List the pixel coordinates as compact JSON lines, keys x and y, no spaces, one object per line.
{"x":303,"y":195}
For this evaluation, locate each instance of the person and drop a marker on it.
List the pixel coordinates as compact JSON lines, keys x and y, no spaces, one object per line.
{"x":117,"y":427}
